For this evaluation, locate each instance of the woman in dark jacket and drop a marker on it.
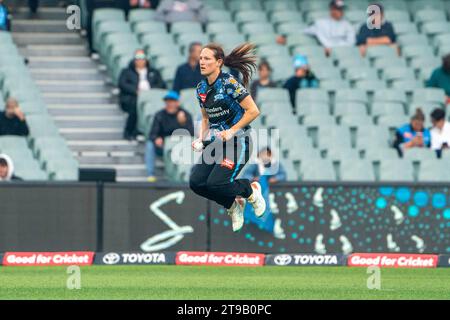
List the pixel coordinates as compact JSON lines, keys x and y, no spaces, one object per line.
{"x":139,"y":76}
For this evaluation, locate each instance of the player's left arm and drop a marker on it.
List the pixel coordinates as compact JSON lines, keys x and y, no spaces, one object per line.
{"x":251,"y":112}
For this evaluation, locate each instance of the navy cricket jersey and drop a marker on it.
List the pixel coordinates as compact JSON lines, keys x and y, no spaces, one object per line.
{"x":221,"y":101}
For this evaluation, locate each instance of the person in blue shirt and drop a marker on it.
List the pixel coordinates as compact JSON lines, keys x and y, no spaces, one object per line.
{"x":227,"y":111}
{"x":4,"y":17}
{"x":267,"y":165}
{"x":188,"y":74}
{"x":413,"y":134}
{"x":303,"y":78}
{"x":381,"y":33}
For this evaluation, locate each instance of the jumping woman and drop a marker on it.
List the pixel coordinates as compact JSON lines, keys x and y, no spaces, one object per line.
{"x":227,"y":111}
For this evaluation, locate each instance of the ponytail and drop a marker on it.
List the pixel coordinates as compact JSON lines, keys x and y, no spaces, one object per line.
{"x":241,"y":59}
{"x":418,"y":115}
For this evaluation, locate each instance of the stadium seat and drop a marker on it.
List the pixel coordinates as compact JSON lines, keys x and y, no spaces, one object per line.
{"x":351,"y":95}
{"x":140,"y":15}
{"x":317,"y":170}
{"x":349,"y":107}
{"x":181,"y":27}
{"x":244,"y":6}
{"x":312,"y":95}
{"x":396,"y":170}
{"x":218,"y":15}
{"x":273,"y":95}
{"x":280,"y":16}
{"x":280,"y":6}
{"x":405,"y":27}
{"x":431,"y":95}
{"x":221,"y":27}
{"x":250,"y":16}
{"x":360,"y":171}
{"x":434,"y":171}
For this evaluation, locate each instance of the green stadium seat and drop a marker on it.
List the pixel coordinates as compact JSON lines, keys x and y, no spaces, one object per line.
{"x":390,"y":95}
{"x":357,"y":171}
{"x":428,"y":15}
{"x":312,"y":95}
{"x":393,"y":122}
{"x":273,"y":95}
{"x":281,"y":16}
{"x":244,"y":6}
{"x":407,"y":85}
{"x":185,"y":27}
{"x":354,"y":120}
{"x":355,"y":16}
{"x":398,"y":73}
{"x":220,"y":27}
{"x":296,"y":39}
{"x":104,"y":14}
{"x":412,"y":51}
{"x":340,"y":53}
{"x":257,"y":28}
{"x":351,"y":95}
{"x":317,"y":170}
{"x":250,"y":16}
{"x":431,"y":95}
{"x":434,"y":170}
{"x":334,"y":85}
{"x":262,"y":39}
{"x":272,"y":50}
{"x":312,"y":16}
{"x":419,"y":154}
{"x":153,"y":40}
{"x":280,"y":6}
{"x":376,"y":152}
{"x":412,"y":39}
{"x":218,"y":15}
{"x":145,"y":27}
{"x":349,"y":107}
{"x":434,"y":28}
{"x":305,"y":108}
{"x":140,"y":15}
{"x":396,"y":16}
{"x":309,"y":51}
{"x":405,"y":27}
{"x":329,"y":136}
{"x":396,"y":170}
{"x":387,"y":109}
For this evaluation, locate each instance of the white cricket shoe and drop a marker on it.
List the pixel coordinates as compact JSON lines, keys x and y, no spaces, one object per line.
{"x":257,"y":200}
{"x":236,"y":212}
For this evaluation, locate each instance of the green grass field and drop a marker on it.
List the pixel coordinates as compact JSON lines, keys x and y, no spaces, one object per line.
{"x":181,"y":282}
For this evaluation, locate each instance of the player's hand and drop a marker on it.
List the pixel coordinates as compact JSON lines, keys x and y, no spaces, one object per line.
{"x":197,"y":145}
{"x":227,"y":134}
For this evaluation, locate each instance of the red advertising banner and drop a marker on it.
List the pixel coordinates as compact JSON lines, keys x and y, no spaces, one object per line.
{"x":393,"y":260}
{"x":48,"y":258}
{"x":220,"y":259}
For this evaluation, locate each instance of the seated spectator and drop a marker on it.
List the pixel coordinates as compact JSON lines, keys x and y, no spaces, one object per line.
{"x":383,"y":34}
{"x":165,"y":122}
{"x":413,"y":134}
{"x":440,"y":133}
{"x":303,"y":78}
{"x":128,"y":5}
{"x":12,"y":120}
{"x":188,"y":74}
{"x":264,"y":81}
{"x":440,"y":78}
{"x":267,"y":165}
{"x":7,"y":169}
{"x":4,"y":17}
{"x":172,"y":11}
{"x":138,"y":77}
{"x":335,"y":30}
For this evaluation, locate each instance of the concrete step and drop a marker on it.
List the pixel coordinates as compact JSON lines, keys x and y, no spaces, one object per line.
{"x":74,"y":50}
{"x":128,"y":170}
{"x":62,"y":62}
{"x":28,"y":38}
{"x":77,"y":98}
{"x":44,"y":13}
{"x":66,"y":74}
{"x":106,"y":146}
{"x":85,"y":110}
{"x":88,"y":133}
{"x":105,"y":159}
{"x":41,"y":26}
{"x":90,"y":121}
{"x":72,"y":86}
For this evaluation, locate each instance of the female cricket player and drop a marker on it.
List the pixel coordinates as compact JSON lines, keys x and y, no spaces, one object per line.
{"x":227,"y":111}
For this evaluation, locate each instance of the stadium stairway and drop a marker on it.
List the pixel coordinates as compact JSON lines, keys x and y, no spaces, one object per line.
{"x":77,"y":92}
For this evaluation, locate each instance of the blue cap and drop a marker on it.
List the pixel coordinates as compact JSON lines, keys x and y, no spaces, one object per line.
{"x":300,"y":61}
{"x":171,"y":95}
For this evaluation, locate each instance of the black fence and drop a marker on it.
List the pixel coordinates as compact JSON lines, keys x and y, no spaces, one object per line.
{"x":310,"y":218}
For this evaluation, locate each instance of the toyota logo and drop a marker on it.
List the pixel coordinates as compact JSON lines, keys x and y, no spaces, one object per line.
{"x":283,"y":259}
{"x":111,"y":258}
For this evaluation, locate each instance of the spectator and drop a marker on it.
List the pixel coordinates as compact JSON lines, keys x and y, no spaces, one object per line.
{"x":33,"y":4}
{"x":440,"y":78}
{"x":413,"y":134}
{"x":165,"y":122}
{"x":440,"y":133}
{"x":181,"y":10}
{"x":4,"y":17}
{"x":91,"y":5}
{"x":267,"y":165}
{"x":264,"y":81}
{"x":138,"y":77}
{"x":7,"y":169}
{"x":188,"y":74}
{"x":383,"y":34}
{"x":12,"y":120}
{"x":128,"y":5}
{"x":303,"y":78}
{"x":335,"y":30}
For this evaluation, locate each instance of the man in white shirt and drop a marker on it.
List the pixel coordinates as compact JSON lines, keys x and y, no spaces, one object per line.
{"x":335,"y":30}
{"x":440,"y":133}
